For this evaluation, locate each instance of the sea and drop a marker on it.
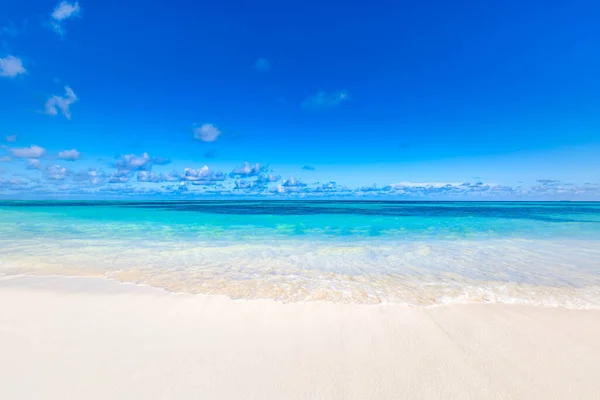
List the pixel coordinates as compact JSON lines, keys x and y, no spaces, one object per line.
{"x":414,"y":253}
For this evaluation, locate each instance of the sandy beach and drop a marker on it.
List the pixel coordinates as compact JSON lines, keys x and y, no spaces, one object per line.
{"x":94,"y":339}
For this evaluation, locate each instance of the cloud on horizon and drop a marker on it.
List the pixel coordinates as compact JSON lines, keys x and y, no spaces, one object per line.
{"x":131,"y":162}
{"x":134,"y":174}
{"x":120,"y":176}
{"x":56,"y":172}
{"x":246,"y":170}
{"x":91,"y":176}
{"x":202,"y":176}
{"x":149,"y":176}
{"x":267,"y":178}
{"x":293,"y":182}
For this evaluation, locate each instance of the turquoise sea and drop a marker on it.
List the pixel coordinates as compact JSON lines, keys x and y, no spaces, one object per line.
{"x":416,"y":253}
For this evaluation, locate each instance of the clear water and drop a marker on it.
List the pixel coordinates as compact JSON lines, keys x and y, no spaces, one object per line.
{"x":369,"y":252}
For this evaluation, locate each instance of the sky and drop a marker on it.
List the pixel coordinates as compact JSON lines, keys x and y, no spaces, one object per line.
{"x":314,"y":99}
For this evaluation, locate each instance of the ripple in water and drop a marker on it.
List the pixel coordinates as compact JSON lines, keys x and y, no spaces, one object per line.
{"x":373,"y":253}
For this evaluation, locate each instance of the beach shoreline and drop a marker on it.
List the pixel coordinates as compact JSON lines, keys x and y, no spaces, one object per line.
{"x":93,"y":338}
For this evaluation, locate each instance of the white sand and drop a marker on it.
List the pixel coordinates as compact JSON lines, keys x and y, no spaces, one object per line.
{"x":85,"y":338}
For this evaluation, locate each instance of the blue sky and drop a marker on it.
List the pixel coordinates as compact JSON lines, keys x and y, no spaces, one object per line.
{"x":403,"y":99}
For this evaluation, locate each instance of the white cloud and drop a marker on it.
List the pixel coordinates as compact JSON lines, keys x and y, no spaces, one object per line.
{"x":427,"y":184}
{"x":63,"y":11}
{"x":262,"y":65}
{"x":56,"y":103}
{"x":293,"y":182}
{"x":149,"y":176}
{"x":56,"y":172}
{"x":246,"y":170}
{"x":291,"y":185}
{"x":325,"y":100}
{"x":268,"y":178}
{"x":14,"y":184}
{"x":28,"y":152}
{"x":207,"y":133}
{"x":131,"y":162}
{"x":94,"y":177}
{"x":202,"y":175}
{"x":11,"y":138}
{"x":91,"y":176}
{"x":11,"y":66}
{"x":280,"y":189}
{"x":34,"y":163}
{"x":442,"y":188}
{"x":5,"y":159}
{"x":69,"y":155}
{"x":120,"y":176}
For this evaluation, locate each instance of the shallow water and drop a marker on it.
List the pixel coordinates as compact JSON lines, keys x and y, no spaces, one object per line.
{"x":369,"y":252}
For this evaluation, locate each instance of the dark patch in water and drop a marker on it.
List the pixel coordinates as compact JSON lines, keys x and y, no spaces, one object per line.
{"x":538,"y":211}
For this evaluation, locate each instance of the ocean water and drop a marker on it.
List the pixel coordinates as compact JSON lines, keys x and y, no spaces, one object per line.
{"x":416,"y":253}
